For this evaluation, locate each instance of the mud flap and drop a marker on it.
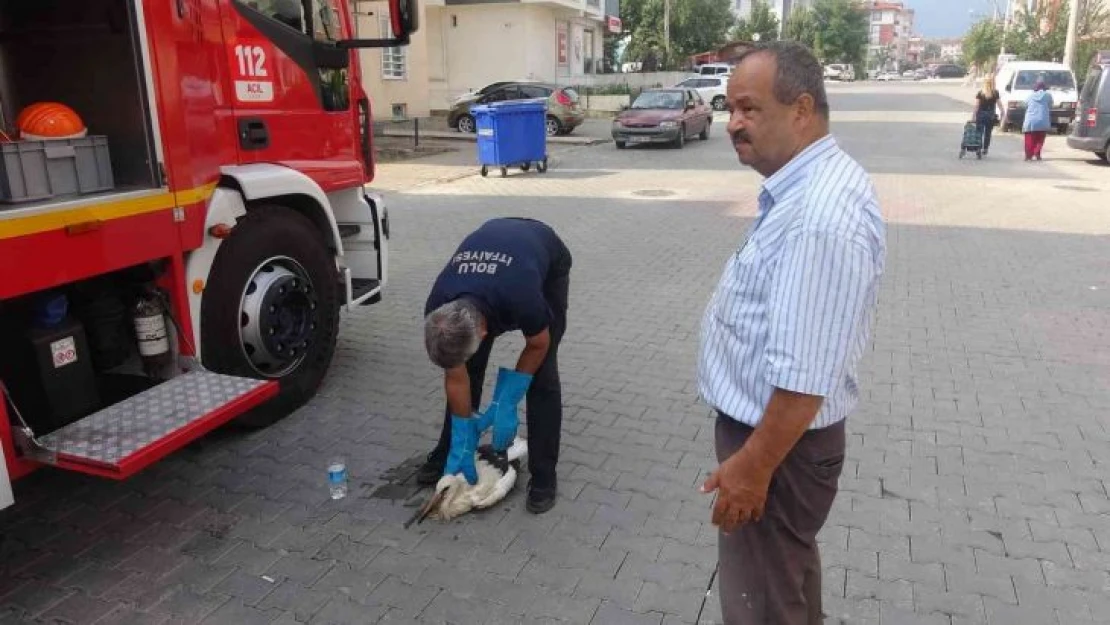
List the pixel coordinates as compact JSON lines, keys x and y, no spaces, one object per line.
{"x":6,"y":497}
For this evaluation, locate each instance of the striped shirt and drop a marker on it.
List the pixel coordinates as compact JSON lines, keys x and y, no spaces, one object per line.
{"x":794,"y":306}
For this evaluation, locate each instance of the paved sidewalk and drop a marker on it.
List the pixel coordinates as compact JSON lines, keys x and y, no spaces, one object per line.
{"x":975,"y":490}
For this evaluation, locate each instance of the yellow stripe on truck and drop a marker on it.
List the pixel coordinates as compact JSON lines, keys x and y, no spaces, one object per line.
{"x":102,"y":211}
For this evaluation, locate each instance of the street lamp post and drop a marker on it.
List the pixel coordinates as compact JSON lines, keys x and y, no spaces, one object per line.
{"x":1073,"y":31}
{"x":667,"y":28}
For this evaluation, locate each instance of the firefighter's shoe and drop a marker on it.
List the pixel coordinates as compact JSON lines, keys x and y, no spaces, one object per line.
{"x":540,"y":499}
{"x":429,"y":473}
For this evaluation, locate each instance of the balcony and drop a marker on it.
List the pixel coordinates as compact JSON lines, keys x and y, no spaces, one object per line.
{"x":592,"y":8}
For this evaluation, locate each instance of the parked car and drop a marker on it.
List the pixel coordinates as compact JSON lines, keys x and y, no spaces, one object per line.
{"x":840,"y":71}
{"x":714,"y":69}
{"x":948,"y":70}
{"x":564,"y":112}
{"x":1016,"y":81}
{"x":663,"y":116}
{"x":712,"y":90}
{"x":1091,"y":132}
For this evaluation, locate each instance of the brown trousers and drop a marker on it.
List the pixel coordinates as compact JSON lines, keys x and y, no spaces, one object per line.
{"x":770,"y":571}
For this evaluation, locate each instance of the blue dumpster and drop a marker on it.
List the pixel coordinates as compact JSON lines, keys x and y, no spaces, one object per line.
{"x":512,"y":134}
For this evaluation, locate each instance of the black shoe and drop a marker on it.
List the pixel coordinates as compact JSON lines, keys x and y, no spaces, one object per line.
{"x":429,"y":473}
{"x":540,"y":499}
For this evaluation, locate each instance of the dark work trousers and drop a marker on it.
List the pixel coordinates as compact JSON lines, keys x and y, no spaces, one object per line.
{"x":984,"y":120}
{"x":770,"y":570}
{"x":544,"y":402}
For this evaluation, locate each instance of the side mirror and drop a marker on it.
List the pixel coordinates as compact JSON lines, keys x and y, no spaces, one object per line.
{"x":404,"y":18}
{"x":625,"y":107}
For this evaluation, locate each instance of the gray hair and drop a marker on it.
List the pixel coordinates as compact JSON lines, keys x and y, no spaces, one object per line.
{"x":797,"y":73}
{"x":451,"y":333}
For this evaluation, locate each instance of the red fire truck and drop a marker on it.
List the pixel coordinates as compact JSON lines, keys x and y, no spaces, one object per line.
{"x":182,"y":219}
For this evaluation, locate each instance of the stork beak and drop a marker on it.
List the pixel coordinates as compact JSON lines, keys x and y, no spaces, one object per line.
{"x":430,"y":506}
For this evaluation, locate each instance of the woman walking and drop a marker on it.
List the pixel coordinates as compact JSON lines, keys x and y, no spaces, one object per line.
{"x":1038,"y":120}
{"x":986,"y":102}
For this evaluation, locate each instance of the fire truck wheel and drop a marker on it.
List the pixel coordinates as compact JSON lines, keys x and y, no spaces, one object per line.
{"x":271,"y":308}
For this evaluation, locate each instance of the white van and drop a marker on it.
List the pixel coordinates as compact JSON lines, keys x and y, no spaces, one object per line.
{"x":714,"y":69}
{"x":1015,"y":81}
{"x":840,"y":71}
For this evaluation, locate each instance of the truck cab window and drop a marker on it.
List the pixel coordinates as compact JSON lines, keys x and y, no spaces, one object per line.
{"x":288,"y":12}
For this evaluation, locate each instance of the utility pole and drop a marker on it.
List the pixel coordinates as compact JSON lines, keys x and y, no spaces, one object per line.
{"x":667,"y":28}
{"x":1073,"y":32}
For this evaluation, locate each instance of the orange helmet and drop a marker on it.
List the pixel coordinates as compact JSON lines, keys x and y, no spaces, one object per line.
{"x":49,"y":120}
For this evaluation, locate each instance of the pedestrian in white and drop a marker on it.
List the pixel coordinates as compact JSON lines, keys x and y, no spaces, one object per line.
{"x":782,"y":336}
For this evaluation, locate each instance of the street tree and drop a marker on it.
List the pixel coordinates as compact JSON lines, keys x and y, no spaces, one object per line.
{"x":882,"y":57}
{"x":1094,"y":34}
{"x":932,"y":51}
{"x":801,"y":26}
{"x":696,"y":26}
{"x":762,"y":22}
{"x":701,"y":25}
{"x":982,"y":43}
{"x":842,"y":28}
{"x":1039,"y":35}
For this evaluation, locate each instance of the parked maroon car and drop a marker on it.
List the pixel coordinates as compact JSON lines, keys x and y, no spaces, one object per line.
{"x":663,"y":116}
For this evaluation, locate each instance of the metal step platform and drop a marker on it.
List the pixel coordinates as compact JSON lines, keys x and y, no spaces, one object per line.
{"x":124,"y":438}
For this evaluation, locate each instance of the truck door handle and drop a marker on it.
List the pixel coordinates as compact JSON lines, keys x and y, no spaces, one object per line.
{"x":253,"y":134}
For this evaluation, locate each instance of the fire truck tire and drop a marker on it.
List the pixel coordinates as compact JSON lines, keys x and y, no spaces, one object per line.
{"x":274,"y":276}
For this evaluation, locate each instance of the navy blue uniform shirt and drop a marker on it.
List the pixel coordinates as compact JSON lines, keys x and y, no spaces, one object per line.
{"x":502,"y":267}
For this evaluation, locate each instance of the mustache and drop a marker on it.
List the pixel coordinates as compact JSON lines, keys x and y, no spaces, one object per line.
{"x":741,"y":136}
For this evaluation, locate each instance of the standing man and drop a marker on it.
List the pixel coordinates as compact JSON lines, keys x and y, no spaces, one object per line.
{"x":510,"y":274}
{"x":781,"y":338}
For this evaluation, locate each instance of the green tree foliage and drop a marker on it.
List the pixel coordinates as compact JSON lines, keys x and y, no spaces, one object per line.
{"x":610,"y":43}
{"x":762,"y":22}
{"x":882,"y":57}
{"x":843,"y":27}
{"x":1038,"y":35}
{"x":801,"y":26}
{"x":932,"y":51}
{"x":1094,"y":35}
{"x":700,"y":25}
{"x":982,"y":43}
{"x":696,"y":26}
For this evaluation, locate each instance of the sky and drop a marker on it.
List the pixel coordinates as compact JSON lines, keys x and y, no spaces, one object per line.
{"x":948,"y":18}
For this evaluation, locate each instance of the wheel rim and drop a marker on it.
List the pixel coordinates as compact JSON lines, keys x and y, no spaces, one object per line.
{"x":278,"y":315}
{"x":552,"y":127}
{"x":466,"y":124}
{"x":718,"y":104}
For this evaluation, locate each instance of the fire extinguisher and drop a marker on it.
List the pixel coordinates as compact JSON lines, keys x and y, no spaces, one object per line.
{"x":149,"y":317}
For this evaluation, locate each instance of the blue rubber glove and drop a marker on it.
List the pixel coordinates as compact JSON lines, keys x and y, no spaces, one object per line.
{"x":464,"y":444}
{"x":511,"y":387}
{"x":485,"y":419}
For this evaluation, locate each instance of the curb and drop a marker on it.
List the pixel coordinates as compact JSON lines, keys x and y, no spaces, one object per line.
{"x":458,"y":136}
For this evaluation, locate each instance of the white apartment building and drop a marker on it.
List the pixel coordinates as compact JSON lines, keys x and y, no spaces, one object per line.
{"x":891,"y":28}
{"x":463,"y":45}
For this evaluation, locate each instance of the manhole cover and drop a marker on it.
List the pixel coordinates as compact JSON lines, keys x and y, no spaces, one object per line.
{"x":653,"y":193}
{"x":1069,"y":187}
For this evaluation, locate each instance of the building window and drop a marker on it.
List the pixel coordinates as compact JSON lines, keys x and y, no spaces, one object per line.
{"x":393,"y":59}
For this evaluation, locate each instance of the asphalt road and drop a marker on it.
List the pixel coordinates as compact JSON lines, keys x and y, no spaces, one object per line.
{"x":975,"y":489}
